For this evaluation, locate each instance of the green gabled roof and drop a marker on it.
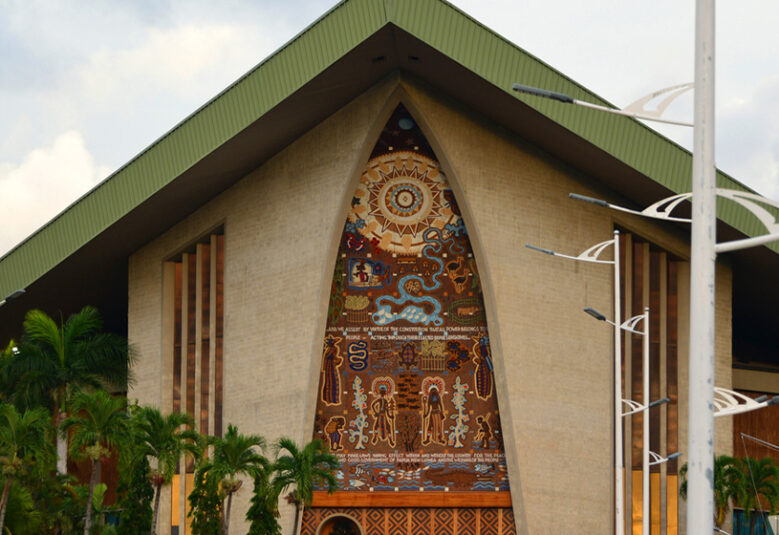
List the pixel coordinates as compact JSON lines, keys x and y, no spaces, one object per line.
{"x":436,"y":24}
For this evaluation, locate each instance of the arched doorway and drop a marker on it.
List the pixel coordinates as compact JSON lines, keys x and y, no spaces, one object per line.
{"x":339,"y":525}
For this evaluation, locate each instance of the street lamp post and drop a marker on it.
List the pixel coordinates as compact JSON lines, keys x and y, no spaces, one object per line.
{"x":13,"y":295}
{"x":703,"y":250}
{"x":592,"y":255}
{"x":700,"y":455}
{"x":631,"y":325}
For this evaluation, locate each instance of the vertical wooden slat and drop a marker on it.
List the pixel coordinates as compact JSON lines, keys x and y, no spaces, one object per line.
{"x":190,"y":262}
{"x":219,"y":333}
{"x":204,"y":259}
{"x":194,"y":314}
{"x":175,"y":489}
{"x":198,"y":334}
{"x":661,"y":415}
{"x":189,"y":485}
{"x":182,"y":329}
{"x":177,"y":332}
{"x":190,"y":325}
{"x":212,"y":334}
{"x":672,"y":366}
{"x":637,"y":503}
{"x":672,"y":500}
{"x":655,"y":261}
{"x":636,"y":355}
{"x":654,"y":514}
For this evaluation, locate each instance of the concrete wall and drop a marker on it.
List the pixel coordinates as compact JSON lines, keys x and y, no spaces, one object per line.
{"x":553,"y":364}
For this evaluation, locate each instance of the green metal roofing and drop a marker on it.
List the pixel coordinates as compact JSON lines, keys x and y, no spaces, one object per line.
{"x":434,"y":22}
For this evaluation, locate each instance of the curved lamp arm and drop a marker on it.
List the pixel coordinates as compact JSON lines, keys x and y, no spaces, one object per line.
{"x":752,"y":202}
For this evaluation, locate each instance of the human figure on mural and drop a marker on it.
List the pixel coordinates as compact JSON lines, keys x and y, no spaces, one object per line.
{"x":333,"y":431}
{"x":433,"y":416}
{"x":331,"y":382}
{"x":483,"y":372}
{"x":360,"y":274}
{"x":383,"y":409}
{"x":484,"y":434}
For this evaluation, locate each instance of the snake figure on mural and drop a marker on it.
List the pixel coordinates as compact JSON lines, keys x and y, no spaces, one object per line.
{"x":406,"y":395}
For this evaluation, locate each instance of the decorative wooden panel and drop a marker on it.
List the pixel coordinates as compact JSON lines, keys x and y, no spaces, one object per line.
{"x":761,"y":424}
{"x":417,"y":520}
{"x":489,"y":523}
{"x":649,"y":278}
{"x":196,"y":317}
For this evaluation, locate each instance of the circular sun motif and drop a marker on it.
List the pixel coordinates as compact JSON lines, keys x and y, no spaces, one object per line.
{"x":400,"y":196}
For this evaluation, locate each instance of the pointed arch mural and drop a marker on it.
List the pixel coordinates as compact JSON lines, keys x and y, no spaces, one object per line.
{"x":406,"y":396}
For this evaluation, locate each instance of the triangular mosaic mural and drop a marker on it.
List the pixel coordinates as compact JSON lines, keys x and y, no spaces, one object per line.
{"x":406,"y":398}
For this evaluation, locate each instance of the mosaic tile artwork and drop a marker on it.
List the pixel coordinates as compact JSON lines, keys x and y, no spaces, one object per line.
{"x":406,"y":398}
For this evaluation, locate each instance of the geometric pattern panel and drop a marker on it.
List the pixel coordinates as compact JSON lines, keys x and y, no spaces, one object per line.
{"x":466,"y":522}
{"x":490,"y":521}
{"x":417,"y":520}
{"x":444,"y":522}
{"x":420,"y":521}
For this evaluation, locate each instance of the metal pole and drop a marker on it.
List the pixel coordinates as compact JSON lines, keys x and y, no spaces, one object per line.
{"x":700,"y":503}
{"x":645,"y":459}
{"x":619,"y":457}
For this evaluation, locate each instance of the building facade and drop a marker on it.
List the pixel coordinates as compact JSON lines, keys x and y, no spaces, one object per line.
{"x":334,"y":248}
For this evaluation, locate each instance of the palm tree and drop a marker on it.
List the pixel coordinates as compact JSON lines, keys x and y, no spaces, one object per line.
{"x":264,"y":511}
{"x":22,"y":440}
{"x":305,"y":469}
{"x":726,"y":485}
{"x":235,"y":455}
{"x":98,"y":423}
{"x":758,"y":486}
{"x":164,"y":439}
{"x":54,"y":359}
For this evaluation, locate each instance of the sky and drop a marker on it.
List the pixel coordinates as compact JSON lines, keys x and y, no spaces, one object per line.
{"x":85,"y":86}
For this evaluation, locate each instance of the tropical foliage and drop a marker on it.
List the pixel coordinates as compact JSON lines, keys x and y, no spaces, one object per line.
{"x":303,"y":470}
{"x":234,"y":455}
{"x":725,"y":489}
{"x":206,"y":502}
{"x":163,"y":439}
{"x":54,"y":388}
{"x":758,"y":488}
{"x":264,"y":510}
{"x":746,"y":483}
{"x":135,"y":493}
{"x":98,"y":423}
{"x":55,"y":359}
{"x":22,"y":445}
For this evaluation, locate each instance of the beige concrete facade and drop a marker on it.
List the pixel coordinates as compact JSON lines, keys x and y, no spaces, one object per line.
{"x":553,"y":367}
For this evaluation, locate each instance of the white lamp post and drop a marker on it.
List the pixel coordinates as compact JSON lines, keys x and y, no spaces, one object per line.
{"x":630,"y":325}
{"x":703,"y":249}
{"x":592,"y":255}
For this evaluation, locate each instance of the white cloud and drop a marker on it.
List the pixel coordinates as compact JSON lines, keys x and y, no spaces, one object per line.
{"x":43,"y":184}
{"x":180,"y":61}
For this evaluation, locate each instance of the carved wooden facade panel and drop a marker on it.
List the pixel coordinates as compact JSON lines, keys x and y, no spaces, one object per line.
{"x":417,"y":520}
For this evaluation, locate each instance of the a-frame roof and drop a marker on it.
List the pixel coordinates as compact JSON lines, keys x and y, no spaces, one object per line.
{"x":340,"y":55}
